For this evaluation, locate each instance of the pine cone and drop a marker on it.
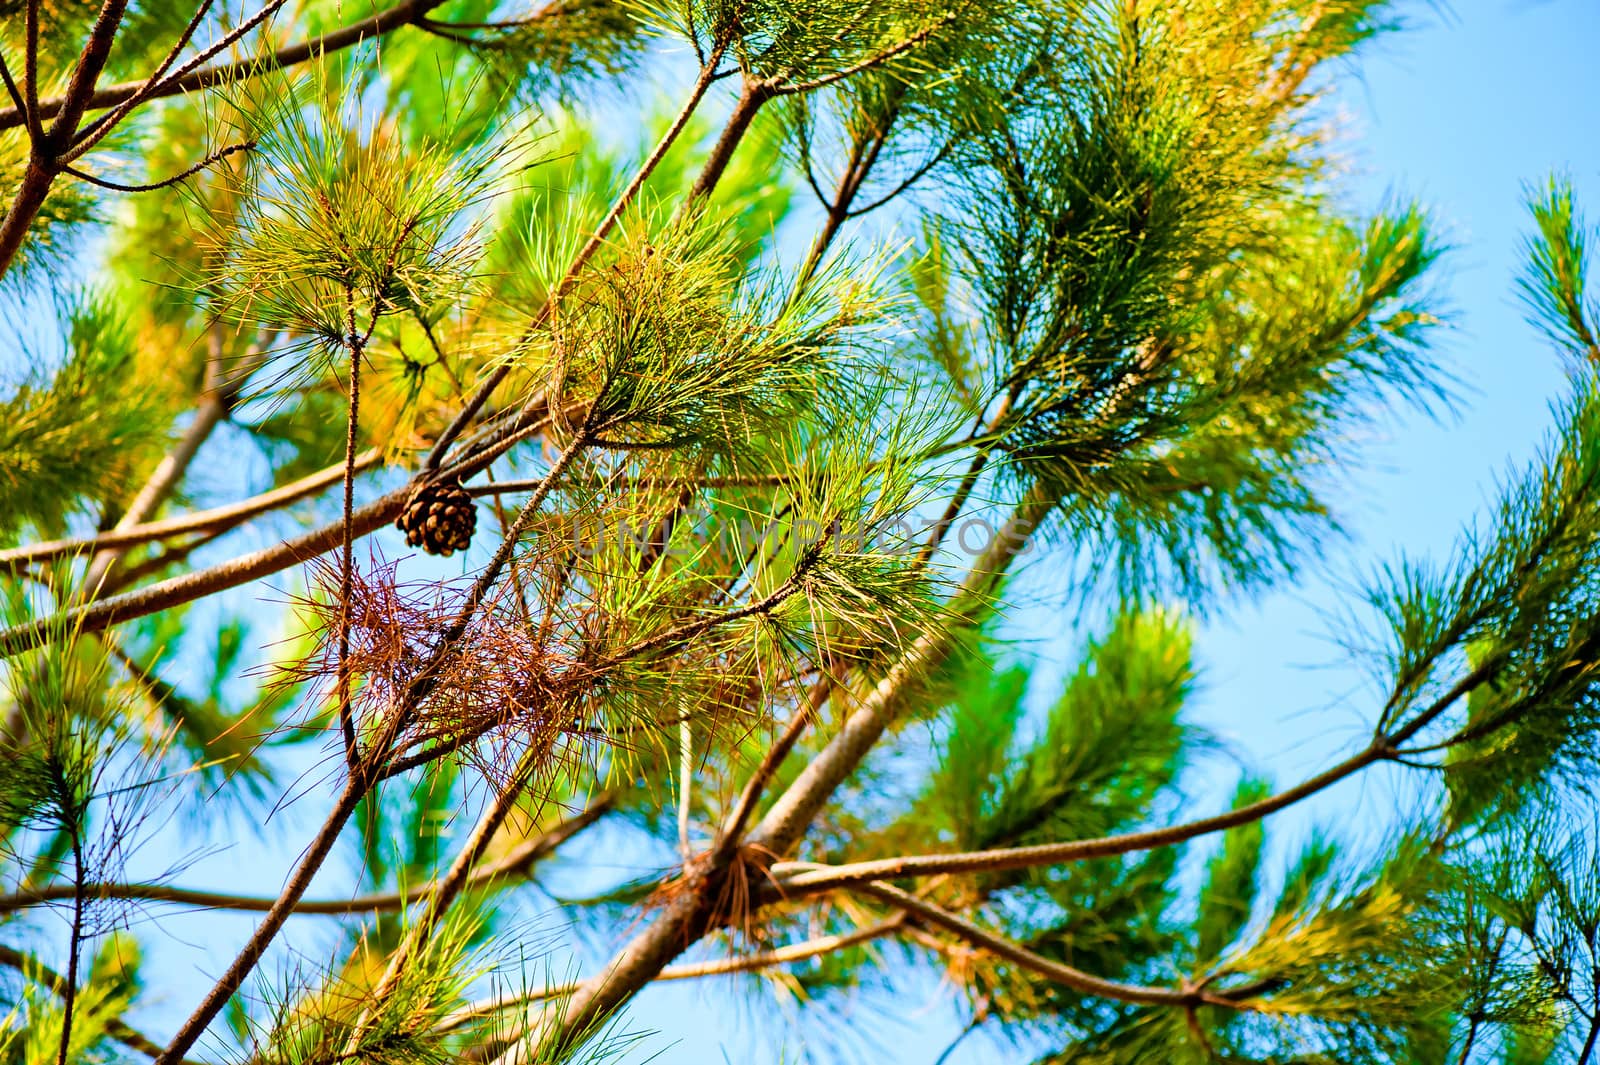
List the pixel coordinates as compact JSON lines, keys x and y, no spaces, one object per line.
{"x":439,"y":518}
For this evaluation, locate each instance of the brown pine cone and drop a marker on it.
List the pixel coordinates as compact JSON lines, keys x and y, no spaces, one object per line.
{"x":439,"y":518}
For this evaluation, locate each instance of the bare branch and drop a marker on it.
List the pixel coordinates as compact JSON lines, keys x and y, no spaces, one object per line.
{"x":201,"y":521}
{"x":766,"y":959}
{"x":517,"y":862}
{"x":11,"y":85}
{"x":802,"y":878}
{"x":1066,"y":975}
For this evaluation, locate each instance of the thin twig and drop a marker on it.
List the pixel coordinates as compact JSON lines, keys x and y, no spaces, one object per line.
{"x":950,"y":1048}
{"x":905,"y":183}
{"x":117,"y":186}
{"x":353,"y":341}
{"x":11,"y":85}
{"x":69,"y":986}
{"x":791,"y":88}
{"x":733,"y":828}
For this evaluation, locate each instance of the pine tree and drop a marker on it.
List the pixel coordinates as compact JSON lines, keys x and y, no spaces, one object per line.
{"x":668,"y":384}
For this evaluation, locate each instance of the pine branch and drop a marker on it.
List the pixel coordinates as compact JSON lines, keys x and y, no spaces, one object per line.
{"x":196,"y":585}
{"x":125,"y":577}
{"x":242,"y":570}
{"x":797,"y":878}
{"x":794,"y":811}
{"x":752,"y":97}
{"x":375,"y":515}
{"x":787,"y":88}
{"x":80,"y":86}
{"x":366,"y":773}
{"x":860,"y":164}
{"x":544,"y":13}
{"x":862,"y":157}
{"x":369,"y":28}
{"x":42,"y":167}
{"x":672,"y":639}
